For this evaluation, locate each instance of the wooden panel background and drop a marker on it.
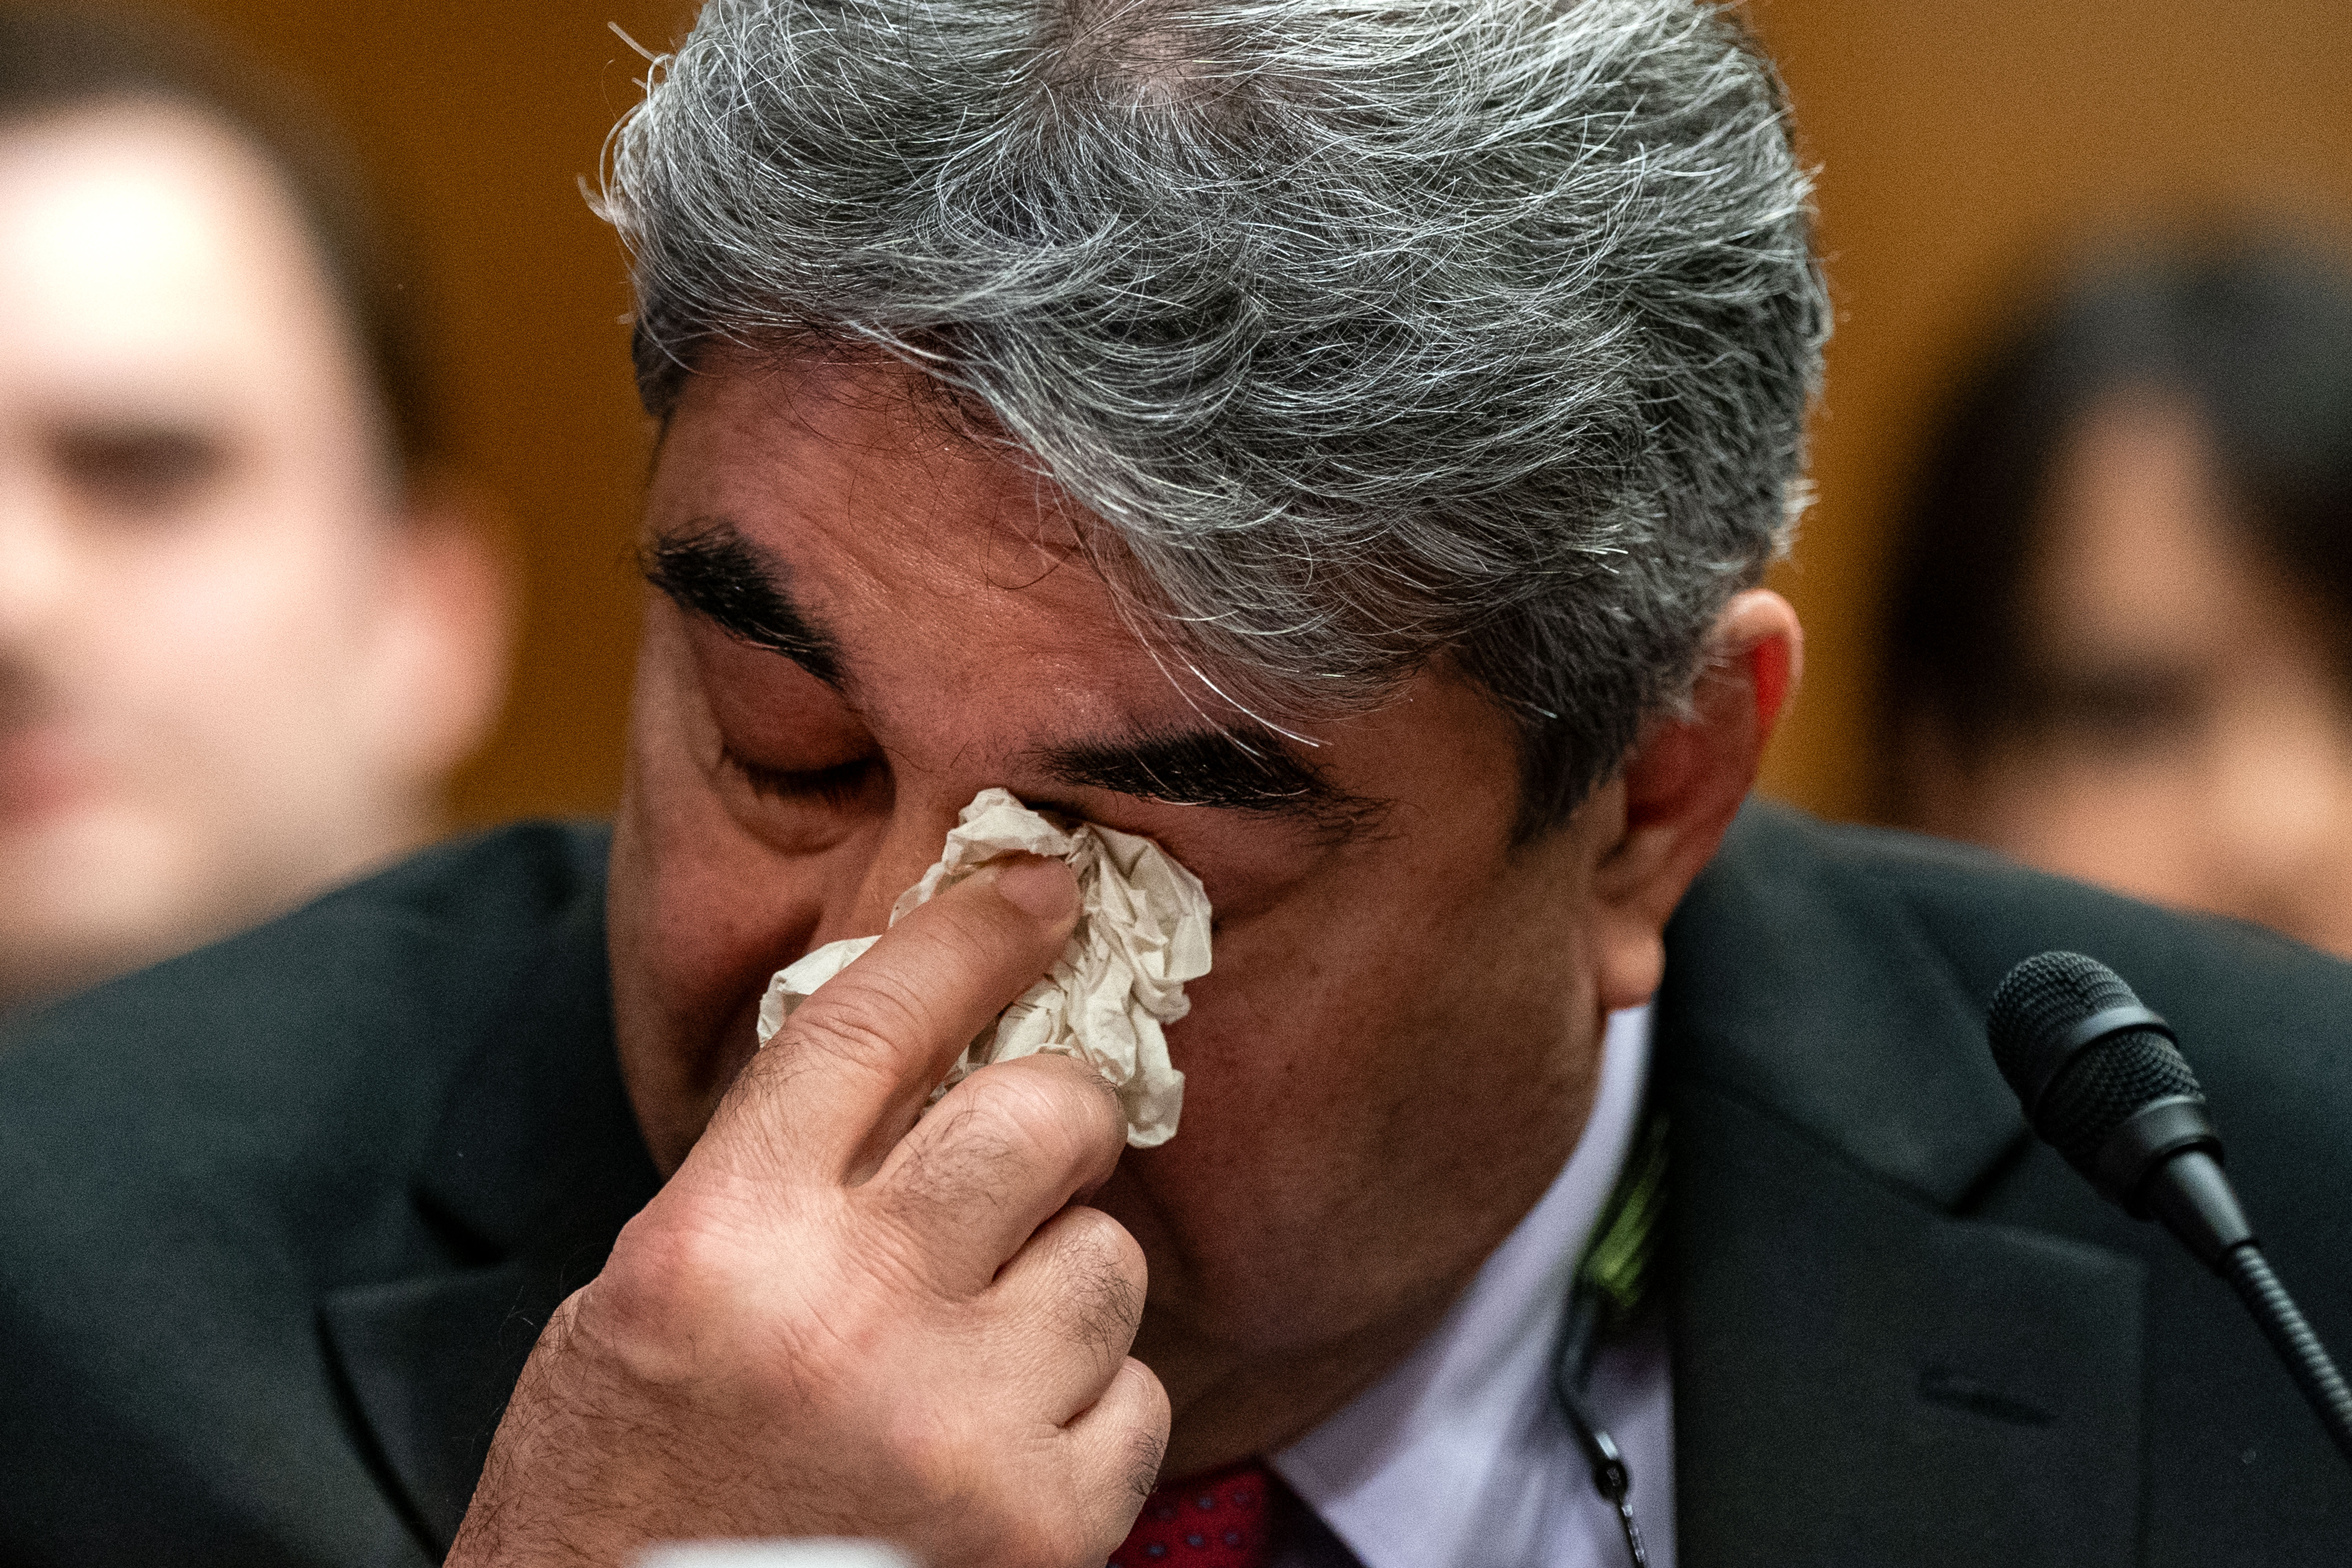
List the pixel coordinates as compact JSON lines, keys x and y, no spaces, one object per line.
{"x":479,"y":122}
{"x":1958,"y":139}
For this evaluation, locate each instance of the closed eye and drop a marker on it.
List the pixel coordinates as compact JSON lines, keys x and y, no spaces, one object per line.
{"x":836,"y":786}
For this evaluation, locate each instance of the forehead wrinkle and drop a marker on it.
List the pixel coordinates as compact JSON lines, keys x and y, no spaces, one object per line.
{"x":911,"y":511}
{"x":944,"y":564}
{"x":1017,"y":538}
{"x":896,"y":531}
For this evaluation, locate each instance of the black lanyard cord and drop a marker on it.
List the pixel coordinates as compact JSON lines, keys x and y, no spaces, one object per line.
{"x":1611,"y":1478}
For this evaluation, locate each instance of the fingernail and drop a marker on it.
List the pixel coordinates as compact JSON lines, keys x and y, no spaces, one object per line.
{"x":1043,"y":888}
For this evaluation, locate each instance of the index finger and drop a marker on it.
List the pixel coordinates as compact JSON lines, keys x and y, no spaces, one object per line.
{"x":851,"y":1069}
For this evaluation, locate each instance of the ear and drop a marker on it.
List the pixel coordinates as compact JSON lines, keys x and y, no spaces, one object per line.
{"x":1682,"y":784}
{"x":444,"y":636}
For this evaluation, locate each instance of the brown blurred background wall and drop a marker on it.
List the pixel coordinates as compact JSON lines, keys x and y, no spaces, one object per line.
{"x":1959,"y":140}
{"x":479,"y":122}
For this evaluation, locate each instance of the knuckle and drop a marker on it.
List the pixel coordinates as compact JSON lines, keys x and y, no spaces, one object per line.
{"x":966,"y":922}
{"x":1147,"y":1442}
{"x":669,"y":1289}
{"x":1005,"y":1113}
{"x":999,"y":1133}
{"x":874,"y":1031}
{"x":970,"y":1160}
{"x":1093,"y":1098}
{"x":1159,"y":1411}
{"x":1019,"y":1101}
{"x":869,"y":1027}
{"x":1090,"y":1245}
{"x":1102,"y":1303}
{"x":1060,"y":1103}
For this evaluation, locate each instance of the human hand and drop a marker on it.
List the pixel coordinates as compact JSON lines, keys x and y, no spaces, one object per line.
{"x":837,"y":1318}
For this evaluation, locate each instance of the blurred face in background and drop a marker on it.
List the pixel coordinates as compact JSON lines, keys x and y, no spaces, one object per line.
{"x":235,"y":660}
{"x":2187,"y":736}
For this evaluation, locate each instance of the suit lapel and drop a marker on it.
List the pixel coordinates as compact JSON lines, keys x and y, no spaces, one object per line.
{"x":429,"y":1362}
{"x":536,"y":1165}
{"x":1862,"y":1374}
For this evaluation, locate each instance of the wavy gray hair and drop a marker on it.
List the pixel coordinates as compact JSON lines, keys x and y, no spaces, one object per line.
{"x":1375,"y":332}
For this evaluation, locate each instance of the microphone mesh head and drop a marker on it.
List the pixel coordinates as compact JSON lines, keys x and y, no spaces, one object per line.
{"x":2041,"y":1000}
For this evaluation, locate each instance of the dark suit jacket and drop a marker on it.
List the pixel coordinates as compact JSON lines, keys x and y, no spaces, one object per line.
{"x":279,"y":1221}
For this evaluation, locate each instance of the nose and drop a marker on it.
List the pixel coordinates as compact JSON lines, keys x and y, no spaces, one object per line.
{"x":41,"y":591}
{"x":914,"y":829}
{"x":37,"y":565}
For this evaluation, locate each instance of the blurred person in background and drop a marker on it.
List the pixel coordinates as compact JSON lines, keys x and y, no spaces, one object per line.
{"x":247,"y":625}
{"x":2121,"y":640}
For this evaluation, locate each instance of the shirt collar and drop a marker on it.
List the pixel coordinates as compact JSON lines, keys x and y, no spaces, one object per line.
{"x":1399,"y":1472}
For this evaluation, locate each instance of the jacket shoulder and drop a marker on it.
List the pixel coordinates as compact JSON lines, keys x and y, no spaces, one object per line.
{"x":193,"y":1157}
{"x":1838,"y":976}
{"x":320,"y":1026}
{"x":1857,"y":900}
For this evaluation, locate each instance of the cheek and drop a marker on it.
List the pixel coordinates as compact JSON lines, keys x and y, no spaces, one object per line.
{"x":1373,"y":1094}
{"x":703,"y":909}
{"x":1380,"y":985}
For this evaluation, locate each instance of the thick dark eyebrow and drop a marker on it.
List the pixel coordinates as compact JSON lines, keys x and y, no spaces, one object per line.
{"x":1242,"y":769}
{"x":714,"y":571}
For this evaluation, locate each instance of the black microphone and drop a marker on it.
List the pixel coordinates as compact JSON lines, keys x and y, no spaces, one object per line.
{"x":2102,"y":1082}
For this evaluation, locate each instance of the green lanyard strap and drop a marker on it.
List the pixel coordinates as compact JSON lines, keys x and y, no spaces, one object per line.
{"x":1615,"y":1267}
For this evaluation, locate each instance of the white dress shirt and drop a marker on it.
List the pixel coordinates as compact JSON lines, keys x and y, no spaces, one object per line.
{"x":1460,"y":1458}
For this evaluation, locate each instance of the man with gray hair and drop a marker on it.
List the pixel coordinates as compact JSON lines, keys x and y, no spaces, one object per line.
{"x":1341,"y":444}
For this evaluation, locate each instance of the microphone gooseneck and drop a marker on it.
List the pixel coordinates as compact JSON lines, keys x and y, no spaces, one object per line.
{"x":2282,"y":1324}
{"x":2103,"y":1083}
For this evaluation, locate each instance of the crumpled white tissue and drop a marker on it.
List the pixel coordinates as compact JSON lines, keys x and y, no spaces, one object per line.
{"x":1142,"y":932}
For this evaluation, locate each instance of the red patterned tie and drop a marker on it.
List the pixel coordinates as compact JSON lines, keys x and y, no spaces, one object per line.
{"x":1222,"y":1519}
